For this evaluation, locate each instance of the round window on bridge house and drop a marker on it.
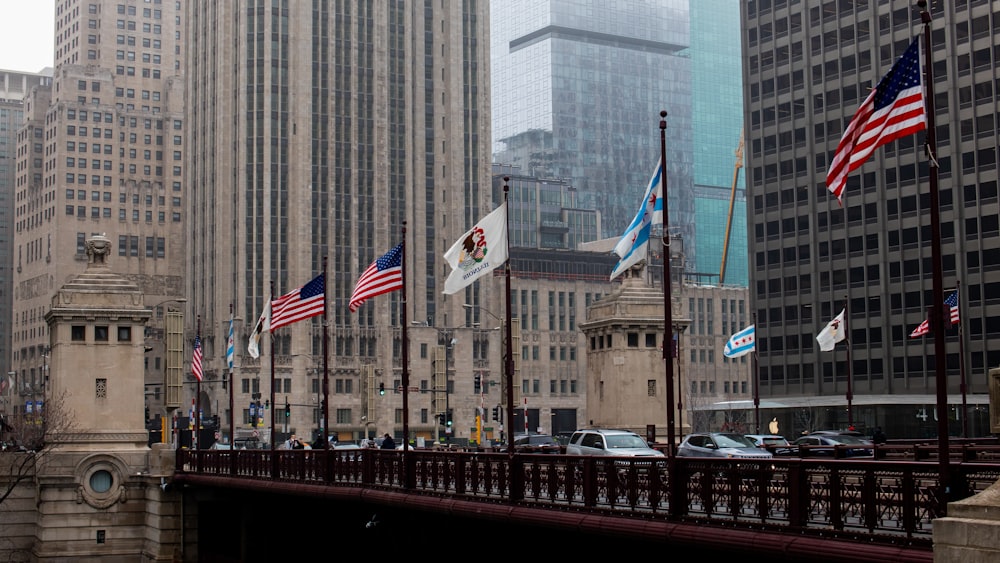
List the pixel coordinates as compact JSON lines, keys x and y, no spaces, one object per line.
{"x":101,"y":481}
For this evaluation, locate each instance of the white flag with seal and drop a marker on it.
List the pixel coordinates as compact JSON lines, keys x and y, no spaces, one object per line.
{"x":479,"y":251}
{"x":835,"y":331}
{"x":263,"y":325}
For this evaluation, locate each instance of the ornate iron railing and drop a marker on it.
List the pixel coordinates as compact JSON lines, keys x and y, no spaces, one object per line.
{"x":874,"y":500}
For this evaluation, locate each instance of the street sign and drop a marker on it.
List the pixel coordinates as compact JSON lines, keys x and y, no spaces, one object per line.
{"x":412,"y":388}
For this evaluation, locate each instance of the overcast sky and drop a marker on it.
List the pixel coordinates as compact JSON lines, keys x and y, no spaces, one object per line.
{"x":26,"y":34}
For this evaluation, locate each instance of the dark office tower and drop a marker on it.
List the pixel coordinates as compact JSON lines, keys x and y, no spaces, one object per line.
{"x":317,"y":130}
{"x":99,"y":152}
{"x":808,"y":67}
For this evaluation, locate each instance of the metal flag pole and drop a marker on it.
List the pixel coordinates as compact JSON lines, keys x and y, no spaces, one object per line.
{"x":409,"y":462}
{"x":937,"y":319}
{"x":326,"y":370}
{"x":850,"y":374}
{"x":231,"y":343}
{"x":271,"y":431}
{"x":756,"y":378}
{"x":668,"y":322}
{"x":508,"y":323}
{"x":197,"y":394}
{"x":961,"y":362}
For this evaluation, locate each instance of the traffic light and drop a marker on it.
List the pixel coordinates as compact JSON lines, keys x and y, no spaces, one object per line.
{"x":381,"y":388}
{"x":288,"y":410}
{"x":496,"y":413}
{"x":479,"y":380}
{"x":448,"y":423}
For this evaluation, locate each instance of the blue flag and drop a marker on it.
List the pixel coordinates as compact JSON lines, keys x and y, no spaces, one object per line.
{"x":741,"y":343}
{"x":231,"y":345}
{"x":635,"y":241}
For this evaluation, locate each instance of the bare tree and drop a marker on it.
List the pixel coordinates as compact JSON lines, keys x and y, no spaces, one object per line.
{"x":28,"y":440}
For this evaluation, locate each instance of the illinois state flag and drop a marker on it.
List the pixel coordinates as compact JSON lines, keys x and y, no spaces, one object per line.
{"x":741,"y":343}
{"x":835,"y":331}
{"x":479,"y":251}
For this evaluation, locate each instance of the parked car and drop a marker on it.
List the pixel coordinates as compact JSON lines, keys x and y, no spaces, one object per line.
{"x":832,"y":443}
{"x":721,"y":444}
{"x":773,"y":443}
{"x":605,"y":441}
{"x":536,"y":444}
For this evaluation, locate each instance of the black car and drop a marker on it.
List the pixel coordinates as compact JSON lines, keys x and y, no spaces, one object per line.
{"x":536,"y":444}
{"x":833,"y":443}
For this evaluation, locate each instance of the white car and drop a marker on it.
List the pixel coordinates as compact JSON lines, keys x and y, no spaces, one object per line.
{"x":605,"y":441}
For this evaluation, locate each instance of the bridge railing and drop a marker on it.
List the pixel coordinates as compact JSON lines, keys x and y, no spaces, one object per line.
{"x":876,"y":500}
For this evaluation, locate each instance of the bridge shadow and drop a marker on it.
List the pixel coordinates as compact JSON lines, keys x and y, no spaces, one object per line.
{"x":235,"y":527}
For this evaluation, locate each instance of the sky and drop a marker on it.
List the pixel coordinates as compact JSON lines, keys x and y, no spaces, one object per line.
{"x":26,"y":34}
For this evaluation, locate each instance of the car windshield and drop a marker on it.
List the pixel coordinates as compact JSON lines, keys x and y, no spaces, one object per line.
{"x":845,"y":439}
{"x":775,"y":440}
{"x":733,"y":441}
{"x":540,"y":440}
{"x":625,"y":441}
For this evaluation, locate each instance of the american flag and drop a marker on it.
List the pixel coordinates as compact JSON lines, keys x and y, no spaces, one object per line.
{"x":894,"y":109}
{"x":952,"y":303}
{"x":383,"y":276}
{"x":302,"y":303}
{"x":196,"y":359}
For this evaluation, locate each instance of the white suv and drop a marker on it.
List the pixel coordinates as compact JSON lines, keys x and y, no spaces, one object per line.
{"x":603,"y":441}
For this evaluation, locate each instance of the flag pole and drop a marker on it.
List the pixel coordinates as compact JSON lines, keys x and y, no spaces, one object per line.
{"x":232,"y":406}
{"x":405,"y":352}
{"x":668,"y":329}
{"x":850,"y":374}
{"x":197,"y":395}
{"x":272,"y":389}
{"x":326,"y":370}
{"x":937,"y":319}
{"x":508,"y":323}
{"x":961,"y":361}
{"x":756,"y":379}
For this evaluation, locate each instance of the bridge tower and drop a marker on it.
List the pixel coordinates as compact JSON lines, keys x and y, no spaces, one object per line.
{"x":626,"y":383}
{"x":97,"y":482}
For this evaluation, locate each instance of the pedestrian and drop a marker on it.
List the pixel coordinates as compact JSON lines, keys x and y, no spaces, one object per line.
{"x":388,"y":443}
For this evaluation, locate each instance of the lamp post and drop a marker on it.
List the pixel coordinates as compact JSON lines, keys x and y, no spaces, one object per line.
{"x":503,"y":335}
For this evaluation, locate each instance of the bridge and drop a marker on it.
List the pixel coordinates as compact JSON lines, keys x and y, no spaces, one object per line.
{"x":795,"y":508}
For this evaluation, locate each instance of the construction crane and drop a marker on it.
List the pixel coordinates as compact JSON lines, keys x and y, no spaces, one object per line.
{"x":732,"y":201}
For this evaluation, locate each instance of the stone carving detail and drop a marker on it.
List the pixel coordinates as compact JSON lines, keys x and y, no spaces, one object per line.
{"x":98,"y":250}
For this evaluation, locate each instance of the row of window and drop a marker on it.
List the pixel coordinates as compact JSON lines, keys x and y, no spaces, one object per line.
{"x":122,"y":197}
{"x":95,"y":180}
{"x":105,"y":213}
{"x":101,"y":333}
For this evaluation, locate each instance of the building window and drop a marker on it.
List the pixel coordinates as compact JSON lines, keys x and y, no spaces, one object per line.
{"x":101,"y":333}
{"x":124,"y":334}
{"x":78,"y":333}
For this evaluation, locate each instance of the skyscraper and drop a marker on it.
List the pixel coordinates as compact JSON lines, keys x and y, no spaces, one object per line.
{"x":14,"y":87}
{"x":318,"y":130}
{"x":100,"y":151}
{"x":577,"y":90}
{"x":807,"y":69}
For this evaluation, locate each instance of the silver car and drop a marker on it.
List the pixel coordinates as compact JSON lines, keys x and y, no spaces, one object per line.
{"x":721,"y":444}
{"x":604,"y":441}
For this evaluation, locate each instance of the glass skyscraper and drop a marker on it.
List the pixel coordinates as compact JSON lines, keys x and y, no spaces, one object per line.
{"x":577,"y":90}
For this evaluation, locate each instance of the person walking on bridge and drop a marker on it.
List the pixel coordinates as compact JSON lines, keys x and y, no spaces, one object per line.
{"x":388,"y":443}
